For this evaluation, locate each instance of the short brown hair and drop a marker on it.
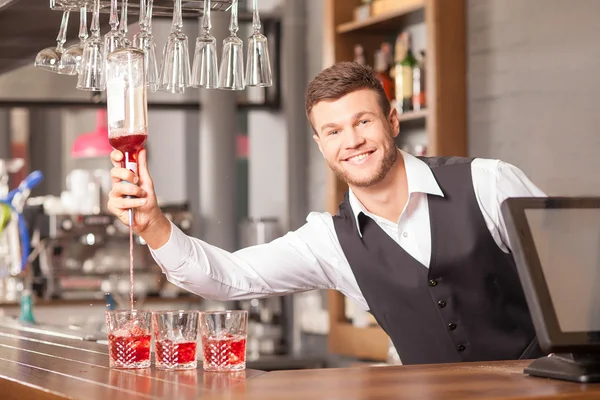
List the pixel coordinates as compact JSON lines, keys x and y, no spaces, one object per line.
{"x":341,"y":79}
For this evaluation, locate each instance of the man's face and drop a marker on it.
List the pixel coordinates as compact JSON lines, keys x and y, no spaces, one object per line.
{"x":355,"y":138}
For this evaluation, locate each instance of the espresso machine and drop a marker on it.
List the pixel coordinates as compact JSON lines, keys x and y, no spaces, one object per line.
{"x":85,"y":256}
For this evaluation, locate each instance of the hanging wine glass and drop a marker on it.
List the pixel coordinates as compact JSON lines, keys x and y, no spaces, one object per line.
{"x":70,"y":62}
{"x":175,"y":71}
{"x":204,"y":71}
{"x":49,"y":58}
{"x":92,"y":62}
{"x":113,"y":40}
{"x":231,"y":72}
{"x":144,"y":41}
{"x":125,"y":42}
{"x":258,"y":64}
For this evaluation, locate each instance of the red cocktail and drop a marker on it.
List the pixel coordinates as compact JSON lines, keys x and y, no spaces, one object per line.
{"x":225,"y":353}
{"x":224,"y":340}
{"x":175,"y":335}
{"x":130,"y":348}
{"x":170,"y":354}
{"x":128,"y":338}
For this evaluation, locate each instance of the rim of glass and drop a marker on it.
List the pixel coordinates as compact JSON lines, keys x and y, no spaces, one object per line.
{"x":128,"y":312}
{"x":224,"y":312}
{"x":169,"y":312}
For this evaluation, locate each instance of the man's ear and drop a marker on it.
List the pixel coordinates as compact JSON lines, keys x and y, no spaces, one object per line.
{"x":394,"y":121}
{"x":317,"y":140}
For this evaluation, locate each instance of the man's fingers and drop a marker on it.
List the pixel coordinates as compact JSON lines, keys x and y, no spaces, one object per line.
{"x":127,"y":189}
{"x":143,"y":168}
{"x":116,"y":157}
{"x":121,"y":204}
{"x":119,"y":174}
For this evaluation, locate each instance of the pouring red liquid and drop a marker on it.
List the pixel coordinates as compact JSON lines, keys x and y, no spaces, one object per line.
{"x":130,"y":146}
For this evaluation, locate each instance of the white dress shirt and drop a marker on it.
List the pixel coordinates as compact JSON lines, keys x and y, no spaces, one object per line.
{"x":312,"y":258}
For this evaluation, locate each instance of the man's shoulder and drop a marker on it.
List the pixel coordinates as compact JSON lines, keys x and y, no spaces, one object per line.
{"x":492,"y":166}
{"x":316,"y":220}
{"x":444,"y":161}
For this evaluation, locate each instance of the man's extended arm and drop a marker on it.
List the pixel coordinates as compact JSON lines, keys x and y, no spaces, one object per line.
{"x":299,"y":261}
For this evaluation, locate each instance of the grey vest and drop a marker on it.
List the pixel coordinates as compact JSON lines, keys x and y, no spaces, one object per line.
{"x":468,"y":305}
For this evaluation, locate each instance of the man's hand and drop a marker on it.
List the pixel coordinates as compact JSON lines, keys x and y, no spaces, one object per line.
{"x":148,"y":220}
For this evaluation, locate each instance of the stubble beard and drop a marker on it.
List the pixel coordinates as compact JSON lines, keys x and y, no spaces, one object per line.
{"x":390,"y":156}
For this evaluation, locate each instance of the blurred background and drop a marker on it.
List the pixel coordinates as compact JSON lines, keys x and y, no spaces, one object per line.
{"x":509,"y":79}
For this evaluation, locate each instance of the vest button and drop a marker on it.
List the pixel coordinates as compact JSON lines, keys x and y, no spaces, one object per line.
{"x":460,"y":347}
{"x":432,"y":282}
{"x":452,"y":326}
{"x":441,"y":304}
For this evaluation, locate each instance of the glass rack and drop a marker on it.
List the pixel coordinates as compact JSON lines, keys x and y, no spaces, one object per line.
{"x":190,"y":8}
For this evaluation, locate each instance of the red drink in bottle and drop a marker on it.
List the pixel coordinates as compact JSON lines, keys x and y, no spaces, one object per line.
{"x":129,"y":145}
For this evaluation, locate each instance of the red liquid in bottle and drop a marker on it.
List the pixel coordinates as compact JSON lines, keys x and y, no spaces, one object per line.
{"x":226,"y":351}
{"x":169,"y":352}
{"x":129,"y":145}
{"x":129,"y":349}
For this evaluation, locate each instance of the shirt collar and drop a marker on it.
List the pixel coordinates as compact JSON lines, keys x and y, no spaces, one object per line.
{"x":419,"y":177}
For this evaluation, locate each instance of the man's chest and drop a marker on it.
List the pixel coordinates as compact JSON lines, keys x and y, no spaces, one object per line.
{"x":412,"y":232}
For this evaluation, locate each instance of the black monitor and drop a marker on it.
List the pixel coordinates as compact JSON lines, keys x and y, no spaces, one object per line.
{"x":556,"y":245}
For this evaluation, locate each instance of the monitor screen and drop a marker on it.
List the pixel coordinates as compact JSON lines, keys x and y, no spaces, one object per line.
{"x":567,"y":242}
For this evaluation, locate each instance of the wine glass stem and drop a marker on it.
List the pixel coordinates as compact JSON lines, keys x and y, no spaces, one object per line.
{"x":114,"y":17}
{"x":233,"y":25}
{"x":123,"y":26}
{"x":177,"y":18}
{"x":149,"y":15}
{"x":255,"y":17}
{"x":83,"y":23}
{"x":95,"y":28}
{"x":143,"y":23}
{"x":206,"y":17}
{"x":62,"y":33}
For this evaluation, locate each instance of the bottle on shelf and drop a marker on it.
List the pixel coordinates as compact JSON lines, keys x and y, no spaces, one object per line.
{"x":419,"y":99}
{"x":399,"y":54}
{"x":382,"y":73}
{"x":405,"y":63}
{"x":386,"y":48}
{"x":359,"y":54}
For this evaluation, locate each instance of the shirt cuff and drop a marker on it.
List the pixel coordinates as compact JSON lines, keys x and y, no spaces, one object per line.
{"x":175,"y":252}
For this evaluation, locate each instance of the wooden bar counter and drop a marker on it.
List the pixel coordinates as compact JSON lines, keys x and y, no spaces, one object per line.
{"x":39,"y":366}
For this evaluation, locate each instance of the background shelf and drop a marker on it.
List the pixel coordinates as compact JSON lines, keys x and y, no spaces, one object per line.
{"x":383,"y":23}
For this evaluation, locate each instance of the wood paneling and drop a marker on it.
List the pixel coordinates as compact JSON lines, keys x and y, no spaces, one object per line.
{"x":35,"y":366}
{"x":42,"y":367}
{"x":446,"y":77}
{"x":470,"y":381}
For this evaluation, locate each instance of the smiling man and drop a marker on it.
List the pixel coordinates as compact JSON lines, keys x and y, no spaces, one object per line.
{"x":419,"y":242}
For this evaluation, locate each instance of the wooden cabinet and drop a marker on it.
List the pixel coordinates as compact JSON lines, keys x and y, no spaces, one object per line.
{"x":443,"y":120}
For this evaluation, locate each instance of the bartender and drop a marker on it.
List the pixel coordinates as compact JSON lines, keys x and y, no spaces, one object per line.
{"x":417,"y":241}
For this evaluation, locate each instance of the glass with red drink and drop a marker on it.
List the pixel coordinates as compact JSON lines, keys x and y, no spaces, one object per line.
{"x":128,"y":338}
{"x":175,"y":339}
{"x":224,"y":340}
